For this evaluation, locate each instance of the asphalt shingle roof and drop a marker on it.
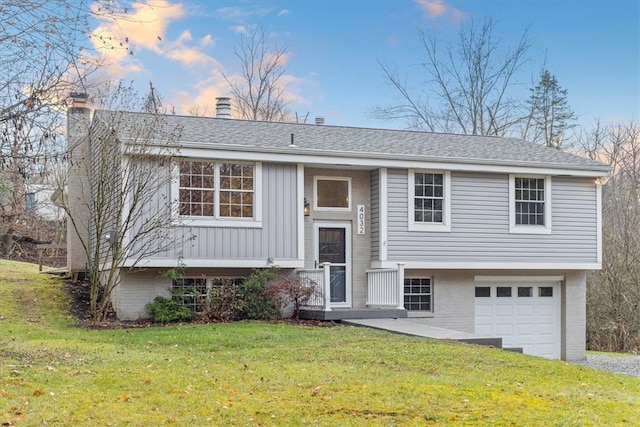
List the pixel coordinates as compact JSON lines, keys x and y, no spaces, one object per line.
{"x":345,"y":142}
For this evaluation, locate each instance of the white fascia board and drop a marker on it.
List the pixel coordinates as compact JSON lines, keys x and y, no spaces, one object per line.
{"x":210,"y":263}
{"x":494,"y":265}
{"x":517,"y":279}
{"x":354,"y":160}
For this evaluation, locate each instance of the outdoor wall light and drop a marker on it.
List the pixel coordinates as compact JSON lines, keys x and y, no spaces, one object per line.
{"x":109,"y":236}
{"x":307,"y":207}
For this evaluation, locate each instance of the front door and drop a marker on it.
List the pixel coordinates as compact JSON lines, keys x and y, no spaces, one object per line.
{"x":333,"y":244}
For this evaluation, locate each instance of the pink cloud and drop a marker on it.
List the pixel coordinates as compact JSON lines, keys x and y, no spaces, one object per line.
{"x":439,"y":8}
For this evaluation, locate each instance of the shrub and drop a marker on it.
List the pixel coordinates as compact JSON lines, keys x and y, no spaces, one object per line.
{"x":169,"y":310}
{"x":222,"y":303}
{"x":256,"y":303}
{"x":290,"y":290}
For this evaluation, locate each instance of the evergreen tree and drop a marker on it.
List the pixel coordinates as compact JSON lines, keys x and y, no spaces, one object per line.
{"x":549,"y":112}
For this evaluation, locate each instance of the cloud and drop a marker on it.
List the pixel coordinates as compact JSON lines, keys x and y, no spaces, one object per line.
{"x":284,"y":12}
{"x":180,"y":51}
{"x":439,"y":8}
{"x":207,"y":41}
{"x":240,"y":29}
{"x":232,"y":13}
{"x":117,"y":38}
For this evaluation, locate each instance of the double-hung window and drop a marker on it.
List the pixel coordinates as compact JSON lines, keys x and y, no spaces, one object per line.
{"x":529,"y":204}
{"x":418,"y":294}
{"x":429,"y":200}
{"x":226,"y":192}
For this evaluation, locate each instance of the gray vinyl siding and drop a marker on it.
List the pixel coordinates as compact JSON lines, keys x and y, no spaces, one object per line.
{"x":277,"y":239}
{"x":480,"y":223}
{"x":375,"y":215}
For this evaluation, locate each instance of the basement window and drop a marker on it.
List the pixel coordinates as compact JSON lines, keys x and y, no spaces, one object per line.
{"x":418,"y":294}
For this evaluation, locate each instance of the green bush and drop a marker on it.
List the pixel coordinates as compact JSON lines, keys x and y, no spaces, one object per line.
{"x":256,"y":302}
{"x":169,"y":310}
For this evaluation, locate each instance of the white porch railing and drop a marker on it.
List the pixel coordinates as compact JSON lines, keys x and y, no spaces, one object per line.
{"x":385,"y":287}
{"x":321,"y":279}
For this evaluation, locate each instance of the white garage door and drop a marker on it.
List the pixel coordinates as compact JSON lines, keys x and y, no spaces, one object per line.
{"x":523,"y":315}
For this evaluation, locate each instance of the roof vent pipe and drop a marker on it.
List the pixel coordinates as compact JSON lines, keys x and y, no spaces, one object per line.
{"x":223,"y":107}
{"x":319,"y":120}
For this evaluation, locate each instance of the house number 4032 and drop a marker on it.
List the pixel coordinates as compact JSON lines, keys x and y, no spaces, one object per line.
{"x":361,"y":222}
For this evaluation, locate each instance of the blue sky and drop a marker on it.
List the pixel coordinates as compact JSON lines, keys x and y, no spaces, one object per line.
{"x":593,"y":48}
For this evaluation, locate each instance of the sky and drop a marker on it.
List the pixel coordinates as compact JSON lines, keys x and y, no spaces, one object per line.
{"x":334,"y":49}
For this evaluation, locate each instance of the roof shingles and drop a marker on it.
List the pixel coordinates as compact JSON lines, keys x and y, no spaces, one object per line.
{"x":340,"y":141}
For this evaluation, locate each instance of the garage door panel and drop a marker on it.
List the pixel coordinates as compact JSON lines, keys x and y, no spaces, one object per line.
{"x":526,"y":329}
{"x":504,"y":329}
{"x":524,"y":320}
{"x":546,"y":310}
{"x":504,"y":310}
{"x":526,"y":310}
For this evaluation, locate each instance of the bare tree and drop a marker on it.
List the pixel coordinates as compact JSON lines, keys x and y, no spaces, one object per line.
{"x":259,"y":89}
{"x":128,"y":214}
{"x":550,"y":115}
{"x":613,"y":296}
{"x":46,"y":50}
{"x":468,"y":86}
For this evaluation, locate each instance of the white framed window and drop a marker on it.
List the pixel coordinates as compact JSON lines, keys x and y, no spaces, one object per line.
{"x":418,"y":294}
{"x":429,"y":203}
{"x":192,"y":291}
{"x":196,"y":292}
{"x":530,"y":204}
{"x":228,"y":193}
{"x":332,"y":193}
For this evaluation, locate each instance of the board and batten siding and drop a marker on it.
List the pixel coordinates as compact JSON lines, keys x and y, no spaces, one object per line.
{"x":375,"y":215}
{"x":276,"y":239}
{"x":480,"y":223}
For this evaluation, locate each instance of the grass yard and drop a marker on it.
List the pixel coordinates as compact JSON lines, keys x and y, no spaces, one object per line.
{"x":263,"y":374}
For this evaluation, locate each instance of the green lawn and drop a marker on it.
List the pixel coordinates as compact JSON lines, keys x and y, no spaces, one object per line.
{"x":254,"y":373}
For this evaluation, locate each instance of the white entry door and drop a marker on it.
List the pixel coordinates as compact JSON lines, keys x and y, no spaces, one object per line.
{"x":333,"y":244}
{"x":523,"y":315}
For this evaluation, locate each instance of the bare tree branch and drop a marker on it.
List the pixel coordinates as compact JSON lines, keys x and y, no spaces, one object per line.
{"x":259,"y":90}
{"x":467,"y":86}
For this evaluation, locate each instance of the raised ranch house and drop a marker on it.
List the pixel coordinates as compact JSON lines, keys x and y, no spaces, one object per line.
{"x":476,"y":234}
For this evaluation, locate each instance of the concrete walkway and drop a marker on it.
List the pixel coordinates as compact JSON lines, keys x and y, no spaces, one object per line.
{"x":417,"y":326}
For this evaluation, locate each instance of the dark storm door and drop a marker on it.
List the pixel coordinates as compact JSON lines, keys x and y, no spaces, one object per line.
{"x":333,"y":246}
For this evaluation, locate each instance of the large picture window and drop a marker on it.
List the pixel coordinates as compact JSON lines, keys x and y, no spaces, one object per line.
{"x":209,"y":190}
{"x":529,"y":204}
{"x":429,"y":200}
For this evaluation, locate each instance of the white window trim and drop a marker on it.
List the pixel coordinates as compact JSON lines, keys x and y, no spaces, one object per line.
{"x":331,"y":178}
{"x":431,"y":303}
{"x":445,"y":225}
{"x":529,"y":229}
{"x":218,"y":221}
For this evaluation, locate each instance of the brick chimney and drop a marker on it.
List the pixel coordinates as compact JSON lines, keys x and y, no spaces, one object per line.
{"x":78,"y":188}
